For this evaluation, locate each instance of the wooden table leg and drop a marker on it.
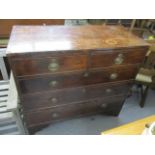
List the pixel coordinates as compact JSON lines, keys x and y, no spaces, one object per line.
{"x":144,"y":93}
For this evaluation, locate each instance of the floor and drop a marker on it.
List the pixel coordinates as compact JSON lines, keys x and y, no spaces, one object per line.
{"x":93,"y":125}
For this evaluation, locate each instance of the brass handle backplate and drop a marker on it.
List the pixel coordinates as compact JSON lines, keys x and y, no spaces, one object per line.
{"x":54,"y":100}
{"x":53,"y":83}
{"x":108,"y":90}
{"x":83,"y":90}
{"x":86,"y":74}
{"x":119,"y":59}
{"x":55,"y":115}
{"x":103,"y":105}
{"x":113,"y":76}
{"x":54,"y":65}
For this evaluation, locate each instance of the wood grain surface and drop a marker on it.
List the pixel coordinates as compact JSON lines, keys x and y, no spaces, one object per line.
{"x":58,"y":38}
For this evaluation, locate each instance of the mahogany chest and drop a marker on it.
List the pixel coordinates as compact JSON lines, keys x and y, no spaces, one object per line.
{"x":63,"y":72}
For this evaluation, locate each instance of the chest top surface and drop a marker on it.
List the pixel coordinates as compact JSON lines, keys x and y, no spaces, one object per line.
{"x":27,"y":39}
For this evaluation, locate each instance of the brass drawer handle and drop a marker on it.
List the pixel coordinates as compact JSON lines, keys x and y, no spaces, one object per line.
{"x":83,"y":90}
{"x":120,"y":55}
{"x":113,"y":76}
{"x":103,"y":105}
{"x":53,"y":83}
{"x":54,"y":100}
{"x":119,"y":59}
{"x":54,"y":65}
{"x":108,"y":90}
{"x":86,"y":74}
{"x":55,"y":115}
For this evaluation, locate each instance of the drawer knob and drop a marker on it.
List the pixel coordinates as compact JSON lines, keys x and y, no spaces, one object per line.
{"x":119,"y":59}
{"x":103,"y":105}
{"x":54,"y":100}
{"x":53,"y":83}
{"x":108,"y":90}
{"x":86,"y":74}
{"x":113,"y":76}
{"x":54,"y":65}
{"x":83,"y":90}
{"x":55,"y":115}
{"x":120,"y":55}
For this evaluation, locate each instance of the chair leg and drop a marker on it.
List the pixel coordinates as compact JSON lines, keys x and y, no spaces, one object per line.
{"x":19,"y":122}
{"x":143,"y":96}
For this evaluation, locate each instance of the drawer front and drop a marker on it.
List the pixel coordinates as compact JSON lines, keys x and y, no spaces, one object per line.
{"x":49,"y":65}
{"x":73,"y":95}
{"x":63,"y":112}
{"x":110,"y":58}
{"x":46,"y":83}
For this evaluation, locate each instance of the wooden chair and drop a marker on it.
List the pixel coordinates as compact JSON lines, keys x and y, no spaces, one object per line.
{"x":10,"y":120}
{"x":145,"y":79}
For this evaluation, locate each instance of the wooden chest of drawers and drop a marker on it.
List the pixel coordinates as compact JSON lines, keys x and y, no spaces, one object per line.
{"x":64,"y":71}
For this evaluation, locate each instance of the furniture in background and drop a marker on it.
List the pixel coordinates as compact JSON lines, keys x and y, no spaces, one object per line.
{"x":4,"y":42}
{"x":3,"y":69}
{"x":124,"y":22}
{"x":128,"y":23}
{"x":145,"y":79}
{"x":133,"y":128}
{"x":7,"y":24}
{"x":72,"y":71}
{"x":10,"y":122}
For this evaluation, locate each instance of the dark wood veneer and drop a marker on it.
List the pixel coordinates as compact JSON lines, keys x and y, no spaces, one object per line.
{"x":41,"y":66}
{"x":88,"y":107}
{"x":76,"y":79}
{"x":106,"y":59}
{"x":73,"y":95}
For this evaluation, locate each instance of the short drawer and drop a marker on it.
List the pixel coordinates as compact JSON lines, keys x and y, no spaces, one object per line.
{"x":117,"y":57}
{"x":105,"y":106}
{"x":49,"y":65}
{"x":73,"y":95}
{"x":77,"y":79}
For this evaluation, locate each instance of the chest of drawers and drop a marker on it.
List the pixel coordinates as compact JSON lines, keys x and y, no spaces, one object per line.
{"x":63,"y":71}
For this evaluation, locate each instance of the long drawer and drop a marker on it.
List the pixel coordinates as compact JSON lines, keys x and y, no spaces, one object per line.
{"x":53,"y":82}
{"x":49,"y":65}
{"x":111,"y":105}
{"x":30,"y":65}
{"x":117,"y":57}
{"x":73,"y":95}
